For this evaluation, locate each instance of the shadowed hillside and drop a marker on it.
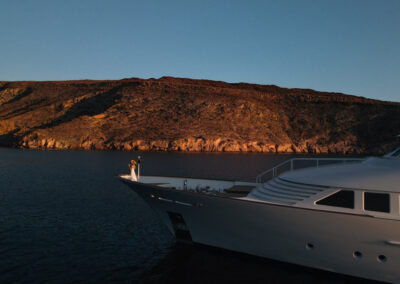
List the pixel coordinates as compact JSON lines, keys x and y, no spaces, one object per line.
{"x":172,"y":114}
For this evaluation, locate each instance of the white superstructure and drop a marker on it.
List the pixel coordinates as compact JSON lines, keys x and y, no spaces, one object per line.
{"x":375,"y":180}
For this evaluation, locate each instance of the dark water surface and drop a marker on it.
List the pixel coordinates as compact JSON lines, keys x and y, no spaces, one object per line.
{"x":65,"y":218}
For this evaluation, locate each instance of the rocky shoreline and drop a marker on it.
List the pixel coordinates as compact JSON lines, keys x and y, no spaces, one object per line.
{"x":192,"y":145}
{"x":174,"y":114}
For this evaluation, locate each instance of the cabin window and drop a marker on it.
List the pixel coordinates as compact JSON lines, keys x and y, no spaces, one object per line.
{"x":379,"y":202}
{"x":343,"y":198}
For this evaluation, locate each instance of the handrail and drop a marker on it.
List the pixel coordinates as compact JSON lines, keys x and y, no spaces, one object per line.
{"x":275,"y":171}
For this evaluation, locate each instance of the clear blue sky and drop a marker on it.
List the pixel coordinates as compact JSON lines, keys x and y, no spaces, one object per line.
{"x":328,"y":45}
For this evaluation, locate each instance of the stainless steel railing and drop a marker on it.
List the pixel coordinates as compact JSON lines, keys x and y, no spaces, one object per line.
{"x":301,"y":163}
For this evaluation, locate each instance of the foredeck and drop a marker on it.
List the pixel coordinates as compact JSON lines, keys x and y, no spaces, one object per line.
{"x":224,"y":188}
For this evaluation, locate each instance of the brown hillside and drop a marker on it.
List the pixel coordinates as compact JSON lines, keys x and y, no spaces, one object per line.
{"x":191,"y":115}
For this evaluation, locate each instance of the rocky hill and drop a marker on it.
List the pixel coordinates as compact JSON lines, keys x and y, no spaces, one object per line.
{"x":172,"y":114}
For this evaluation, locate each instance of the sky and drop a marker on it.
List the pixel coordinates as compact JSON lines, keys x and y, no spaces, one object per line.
{"x":344,"y":46}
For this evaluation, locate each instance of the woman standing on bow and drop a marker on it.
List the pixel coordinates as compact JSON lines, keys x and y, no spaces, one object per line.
{"x":132,"y":167}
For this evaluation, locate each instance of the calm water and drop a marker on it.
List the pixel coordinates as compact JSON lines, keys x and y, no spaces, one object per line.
{"x":64,"y":217}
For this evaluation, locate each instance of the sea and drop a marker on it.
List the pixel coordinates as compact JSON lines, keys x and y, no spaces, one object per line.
{"x":66,"y":218}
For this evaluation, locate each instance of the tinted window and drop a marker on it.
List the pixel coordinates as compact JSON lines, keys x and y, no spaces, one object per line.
{"x":379,"y":202}
{"x":343,"y":198}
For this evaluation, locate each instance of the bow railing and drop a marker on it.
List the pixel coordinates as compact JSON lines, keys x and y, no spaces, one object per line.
{"x":301,"y":163}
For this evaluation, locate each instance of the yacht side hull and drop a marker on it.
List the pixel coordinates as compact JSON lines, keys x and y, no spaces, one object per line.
{"x":350,"y":244}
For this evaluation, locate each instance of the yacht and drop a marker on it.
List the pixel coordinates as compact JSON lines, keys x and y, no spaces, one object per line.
{"x":339,"y":215}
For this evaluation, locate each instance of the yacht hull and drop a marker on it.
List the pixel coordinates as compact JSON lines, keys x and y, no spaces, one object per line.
{"x":350,"y":244}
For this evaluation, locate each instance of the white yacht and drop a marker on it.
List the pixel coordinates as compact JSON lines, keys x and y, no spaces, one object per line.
{"x":341,"y":215}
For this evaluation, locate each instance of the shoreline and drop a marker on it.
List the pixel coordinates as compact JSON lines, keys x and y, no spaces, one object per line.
{"x":197,"y":144}
{"x":271,"y":151}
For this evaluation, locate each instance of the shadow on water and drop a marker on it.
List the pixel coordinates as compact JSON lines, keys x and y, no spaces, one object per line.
{"x":193,"y":263}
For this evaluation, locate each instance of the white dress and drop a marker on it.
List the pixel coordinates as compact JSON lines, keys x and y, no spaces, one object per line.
{"x":133,"y":174}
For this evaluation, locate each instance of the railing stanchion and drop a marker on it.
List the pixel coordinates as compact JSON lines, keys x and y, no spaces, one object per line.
{"x":273,"y":172}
